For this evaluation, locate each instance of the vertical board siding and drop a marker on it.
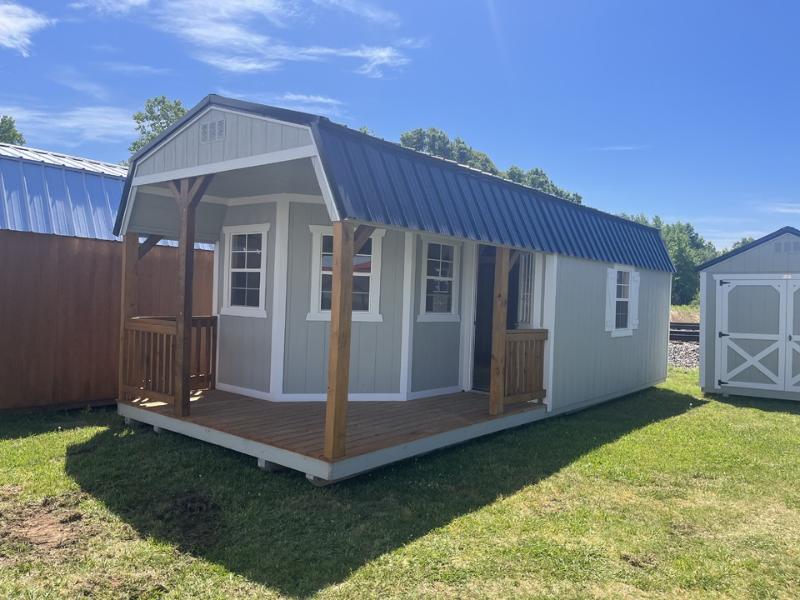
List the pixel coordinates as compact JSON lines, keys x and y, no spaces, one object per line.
{"x":59,"y":314}
{"x":436,"y":354}
{"x":763,"y":259}
{"x":244,"y":136}
{"x":245,"y":343}
{"x":375,"y":347}
{"x":589,"y":364}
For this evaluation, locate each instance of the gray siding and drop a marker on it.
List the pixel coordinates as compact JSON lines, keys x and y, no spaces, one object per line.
{"x":436,"y":346}
{"x":375,"y":347}
{"x":777,"y":257}
{"x":245,"y":343}
{"x":159,"y":215}
{"x":588,"y":364}
{"x":244,"y":136}
{"x":764,"y":258}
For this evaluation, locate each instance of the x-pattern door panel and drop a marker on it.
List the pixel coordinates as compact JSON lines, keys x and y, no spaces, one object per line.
{"x":751,"y":342}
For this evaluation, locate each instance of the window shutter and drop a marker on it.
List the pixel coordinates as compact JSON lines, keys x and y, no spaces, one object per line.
{"x":634,"y":307}
{"x":611,"y":296}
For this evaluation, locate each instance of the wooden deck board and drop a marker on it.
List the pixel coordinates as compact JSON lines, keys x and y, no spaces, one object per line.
{"x":299,"y":426}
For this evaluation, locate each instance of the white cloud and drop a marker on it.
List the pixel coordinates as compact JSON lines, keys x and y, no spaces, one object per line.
{"x":311,"y":103}
{"x":73,"y":79}
{"x":17,"y":24}
{"x":134,"y":69}
{"x":365,"y":10}
{"x":110,"y":7}
{"x":230,"y":34}
{"x":783,"y":208}
{"x":72,"y":127}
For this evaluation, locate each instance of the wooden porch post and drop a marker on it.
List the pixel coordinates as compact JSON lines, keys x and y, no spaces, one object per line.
{"x":129,"y":299}
{"x":499,"y":317}
{"x":339,"y":346}
{"x":187,"y":194}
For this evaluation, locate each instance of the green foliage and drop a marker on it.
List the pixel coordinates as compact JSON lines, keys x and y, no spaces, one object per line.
{"x":687,"y":249}
{"x":158,"y":114}
{"x":743,"y":242}
{"x":9,"y":133}
{"x":438,"y":143}
{"x":367,"y":130}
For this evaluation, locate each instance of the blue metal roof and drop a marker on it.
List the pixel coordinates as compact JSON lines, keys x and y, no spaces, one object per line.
{"x":383,"y":183}
{"x":45,"y":192}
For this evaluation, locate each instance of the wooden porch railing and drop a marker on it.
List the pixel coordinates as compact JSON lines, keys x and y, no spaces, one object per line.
{"x":148,"y":361}
{"x":524,"y":377}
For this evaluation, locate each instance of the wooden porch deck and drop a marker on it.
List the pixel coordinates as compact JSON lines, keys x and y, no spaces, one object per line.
{"x":377,"y":432}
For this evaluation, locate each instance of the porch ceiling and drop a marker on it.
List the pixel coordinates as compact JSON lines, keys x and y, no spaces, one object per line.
{"x":289,"y":177}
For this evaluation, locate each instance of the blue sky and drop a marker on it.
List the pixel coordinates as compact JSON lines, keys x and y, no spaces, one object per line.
{"x":689,"y":110}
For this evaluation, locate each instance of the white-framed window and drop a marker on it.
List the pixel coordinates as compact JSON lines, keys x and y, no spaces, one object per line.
{"x":366,"y":276}
{"x":622,"y":301}
{"x":245,"y":264}
{"x":526,"y":288}
{"x":439,"y":288}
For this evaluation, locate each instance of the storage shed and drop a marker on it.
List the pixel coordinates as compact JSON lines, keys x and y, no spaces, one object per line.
{"x":750,"y":319}
{"x":372,"y":302}
{"x":59,"y":278}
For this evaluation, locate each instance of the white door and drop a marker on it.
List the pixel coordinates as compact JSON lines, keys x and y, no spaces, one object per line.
{"x":792,"y":336}
{"x":751,"y":334}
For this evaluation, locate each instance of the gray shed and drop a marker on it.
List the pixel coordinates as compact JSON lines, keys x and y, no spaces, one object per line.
{"x":750,"y":319}
{"x":371,"y":302}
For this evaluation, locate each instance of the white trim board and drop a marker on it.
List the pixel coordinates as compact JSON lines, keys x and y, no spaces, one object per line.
{"x":254,"y":160}
{"x":279,"y":295}
{"x":351,"y":397}
{"x":407,"y":333}
{"x":549,"y":323}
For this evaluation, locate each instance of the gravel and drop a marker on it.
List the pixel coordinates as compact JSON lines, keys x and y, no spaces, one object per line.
{"x":684,"y":354}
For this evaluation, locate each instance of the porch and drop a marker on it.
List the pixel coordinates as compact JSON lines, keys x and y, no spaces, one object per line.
{"x":291,"y":434}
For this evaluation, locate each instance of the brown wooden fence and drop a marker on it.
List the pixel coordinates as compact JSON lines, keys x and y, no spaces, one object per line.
{"x":59,"y":314}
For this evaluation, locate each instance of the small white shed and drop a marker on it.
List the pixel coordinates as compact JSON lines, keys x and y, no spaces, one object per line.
{"x":750,"y":319}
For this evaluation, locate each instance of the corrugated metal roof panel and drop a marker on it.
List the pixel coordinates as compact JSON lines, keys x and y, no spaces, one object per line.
{"x":381,"y":182}
{"x":57,"y":159}
{"x":45,"y":192}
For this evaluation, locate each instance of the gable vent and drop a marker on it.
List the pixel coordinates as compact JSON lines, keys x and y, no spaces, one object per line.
{"x":212,"y":131}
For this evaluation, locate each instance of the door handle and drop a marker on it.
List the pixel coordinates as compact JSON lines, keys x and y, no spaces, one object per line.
{"x":790,"y":337}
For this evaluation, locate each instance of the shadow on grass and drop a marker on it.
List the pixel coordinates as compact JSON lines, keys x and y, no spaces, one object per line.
{"x":765,"y":404}
{"x":22,"y":423}
{"x":278,"y":530}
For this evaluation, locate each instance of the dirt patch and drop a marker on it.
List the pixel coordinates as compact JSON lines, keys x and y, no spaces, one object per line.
{"x":640,"y":562}
{"x":48,"y":526}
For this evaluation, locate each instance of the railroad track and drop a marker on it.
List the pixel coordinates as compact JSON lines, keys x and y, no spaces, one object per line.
{"x":684,"y":332}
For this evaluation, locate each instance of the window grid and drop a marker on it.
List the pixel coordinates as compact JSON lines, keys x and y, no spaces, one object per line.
{"x":439,"y":277}
{"x":246,"y":258}
{"x":622,"y":300}
{"x":362,"y":275}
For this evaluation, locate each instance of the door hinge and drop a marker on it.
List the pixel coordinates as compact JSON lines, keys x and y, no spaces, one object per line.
{"x":720,"y":334}
{"x":722,"y":282}
{"x":720,"y":382}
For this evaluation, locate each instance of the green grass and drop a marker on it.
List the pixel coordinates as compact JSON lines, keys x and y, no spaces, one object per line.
{"x":659,"y":494}
{"x":686,"y":313}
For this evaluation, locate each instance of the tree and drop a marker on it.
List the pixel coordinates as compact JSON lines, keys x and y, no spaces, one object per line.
{"x":687,"y":249}
{"x":9,"y":133}
{"x":438,"y":143}
{"x":743,"y":242}
{"x":158,"y":114}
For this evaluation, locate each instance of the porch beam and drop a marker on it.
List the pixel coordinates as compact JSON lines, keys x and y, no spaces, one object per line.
{"x":148,"y":244}
{"x":361,"y":236}
{"x":339,"y":346}
{"x":497,"y":380}
{"x":187,"y":194}
{"x":129,"y":300}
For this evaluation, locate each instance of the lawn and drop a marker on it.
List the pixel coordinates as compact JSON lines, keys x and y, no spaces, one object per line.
{"x":657,"y":494}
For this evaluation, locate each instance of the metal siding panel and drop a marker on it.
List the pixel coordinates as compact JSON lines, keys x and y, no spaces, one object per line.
{"x":16,"y":203}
